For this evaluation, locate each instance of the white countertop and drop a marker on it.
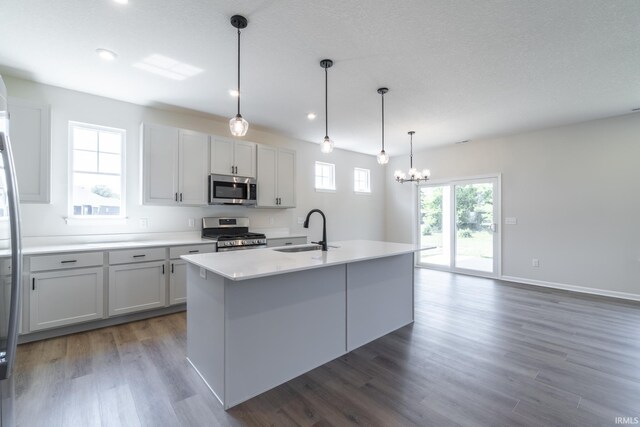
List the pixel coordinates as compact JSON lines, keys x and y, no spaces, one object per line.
{"x":243,"y":265}
{"x":103,"y":246}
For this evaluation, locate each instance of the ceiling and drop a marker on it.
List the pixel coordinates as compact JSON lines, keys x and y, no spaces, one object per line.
{"x":456,"y":70}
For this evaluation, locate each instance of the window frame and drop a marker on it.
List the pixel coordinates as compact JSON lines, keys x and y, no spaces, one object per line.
{"x":70,"y":170}
{"x":333,"y":177}
{"x":368,"y":174}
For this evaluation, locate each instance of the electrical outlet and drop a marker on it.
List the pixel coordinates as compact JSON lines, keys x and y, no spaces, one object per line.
{"x":535,"y":262}
{"x":143,"y":223}
{"x":271,"y":220}
{"x":511,"y":221}
{"x":192,"y":222}
{"x":300,"y":220}
{"x":203,"y":273}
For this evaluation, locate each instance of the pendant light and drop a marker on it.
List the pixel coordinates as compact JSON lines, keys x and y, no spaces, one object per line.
{"x":237,"y":124}
{"x":414,"y":175}
{"x":383,"y":157}
{"x":327,"y":144}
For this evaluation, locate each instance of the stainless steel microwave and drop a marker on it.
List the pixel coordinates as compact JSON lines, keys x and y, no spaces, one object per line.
{"x":232,"y":190}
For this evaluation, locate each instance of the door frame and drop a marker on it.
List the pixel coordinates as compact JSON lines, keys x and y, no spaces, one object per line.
{"x":498,"y":218}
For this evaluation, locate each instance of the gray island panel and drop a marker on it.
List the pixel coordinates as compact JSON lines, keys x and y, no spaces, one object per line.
{"x":279,"y":327}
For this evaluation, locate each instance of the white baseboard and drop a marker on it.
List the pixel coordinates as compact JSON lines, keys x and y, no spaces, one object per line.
{"x":573,"y":288}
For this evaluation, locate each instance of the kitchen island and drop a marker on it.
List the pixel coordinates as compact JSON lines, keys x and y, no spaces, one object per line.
{"x":259,"y":318}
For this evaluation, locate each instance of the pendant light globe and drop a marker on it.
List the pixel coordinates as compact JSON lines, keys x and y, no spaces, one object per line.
{"x":238,"y":126}
{"x":326,"y":146}
{"x":383,"y":158}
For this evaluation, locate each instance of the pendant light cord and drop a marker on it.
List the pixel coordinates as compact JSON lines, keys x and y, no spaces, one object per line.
{"x":326,"y":103}
{"x":238,"y":71}
{"x":382,"y":121}
{"x":411,"y":153}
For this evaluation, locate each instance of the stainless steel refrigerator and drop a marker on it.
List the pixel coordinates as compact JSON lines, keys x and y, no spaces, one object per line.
{"x":10,"y":266}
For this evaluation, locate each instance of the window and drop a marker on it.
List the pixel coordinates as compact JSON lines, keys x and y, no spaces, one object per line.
{"x":325,"y":176}
{"x":97,"y":184}
{"x":361,"y":180}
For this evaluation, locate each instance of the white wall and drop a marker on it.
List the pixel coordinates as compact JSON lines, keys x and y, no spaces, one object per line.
{"x":349,"y":216}
{"x":575,"y":192}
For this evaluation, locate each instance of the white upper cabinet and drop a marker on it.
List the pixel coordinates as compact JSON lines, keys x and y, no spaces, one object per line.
{"x":276,"y":177}
{"x":194,"y":168}
{"x":267,"y":163}
{"x":230,"y":157}
{"x":175,"y":166}
{"x":160,"y":164}
{"x":286,"y":178}
{"x":30,"y":133}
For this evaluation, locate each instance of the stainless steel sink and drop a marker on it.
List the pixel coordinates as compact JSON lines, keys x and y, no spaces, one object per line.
{"x":301,"y":248}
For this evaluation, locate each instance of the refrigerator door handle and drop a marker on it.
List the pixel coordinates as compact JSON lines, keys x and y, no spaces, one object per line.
{"x":6,"y":365}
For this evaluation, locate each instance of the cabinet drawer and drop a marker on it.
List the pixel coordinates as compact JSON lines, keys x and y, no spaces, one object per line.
{"x":286,"y":241}
{"x":178,"y":251}
{"x":57,"y":262}
{"x":136,"y":255}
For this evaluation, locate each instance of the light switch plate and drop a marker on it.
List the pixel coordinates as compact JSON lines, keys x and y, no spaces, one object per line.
{"x":144,"y":223}
{"x":511,"y":221}
{"x":192,"y":222}
{"x":203,"y":273}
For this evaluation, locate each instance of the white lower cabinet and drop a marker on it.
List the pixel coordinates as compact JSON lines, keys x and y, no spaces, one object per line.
{"x":59,"y":298}
{"x":178,"y":270}
{"x":136,"y":287}
{"x":178,"y":282}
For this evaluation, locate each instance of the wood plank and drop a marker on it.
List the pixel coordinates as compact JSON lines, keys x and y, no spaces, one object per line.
{"x":481,"y":352}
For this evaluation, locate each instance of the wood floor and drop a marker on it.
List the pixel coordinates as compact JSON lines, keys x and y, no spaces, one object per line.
{"x":480,"y":353}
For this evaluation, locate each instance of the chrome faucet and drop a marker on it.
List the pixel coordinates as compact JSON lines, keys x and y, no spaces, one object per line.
{"x":323,"y":242}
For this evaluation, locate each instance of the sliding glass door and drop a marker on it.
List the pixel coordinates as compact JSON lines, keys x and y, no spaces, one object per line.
{"x":458,"y":224}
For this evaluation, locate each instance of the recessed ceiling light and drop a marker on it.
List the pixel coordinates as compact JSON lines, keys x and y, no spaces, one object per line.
{"x":635,"y":109}
{"x":234,"y":93}
{"x":311,"y":116}
{"x":167,"y":67}
{"x":121,"y":1}
{"x":106,"y":54}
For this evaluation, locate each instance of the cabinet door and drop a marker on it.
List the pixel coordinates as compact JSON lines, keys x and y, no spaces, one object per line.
{"x":178,"y":282}
{"x":30,"y":132}
{"x":136,"y":287}
{"x":267,"y":176}
{"x":65,"y":297}
{"x":194,"y":168}
{"x":286,"y":178}
{"x":245,"y":158}
{"x":160,"y":165}
{"x":221,"y":156}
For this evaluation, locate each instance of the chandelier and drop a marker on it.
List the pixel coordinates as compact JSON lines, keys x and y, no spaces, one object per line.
{"x":414,"y":175}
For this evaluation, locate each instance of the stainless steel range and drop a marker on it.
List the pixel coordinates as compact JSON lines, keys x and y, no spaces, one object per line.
{"x":232,"y":234}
